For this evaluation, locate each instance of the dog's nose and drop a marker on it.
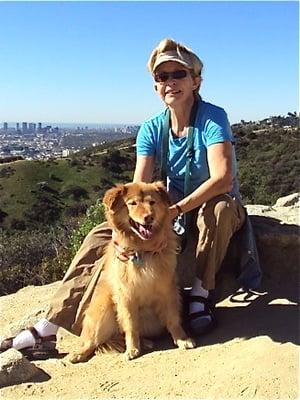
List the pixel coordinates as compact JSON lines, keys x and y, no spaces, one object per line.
{"x":148,"y":219}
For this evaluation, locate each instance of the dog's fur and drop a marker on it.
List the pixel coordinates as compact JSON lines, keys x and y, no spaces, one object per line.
{"x":131,"y":299}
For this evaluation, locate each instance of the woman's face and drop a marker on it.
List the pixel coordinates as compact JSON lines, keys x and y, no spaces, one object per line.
{"x":176,"y":89}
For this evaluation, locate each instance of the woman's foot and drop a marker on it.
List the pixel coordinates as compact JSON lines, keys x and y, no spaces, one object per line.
{"x":201,"y":319}
{"x":36,"y":341}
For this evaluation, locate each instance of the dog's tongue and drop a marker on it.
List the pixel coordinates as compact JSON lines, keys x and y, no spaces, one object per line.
{"x":145,"y":231}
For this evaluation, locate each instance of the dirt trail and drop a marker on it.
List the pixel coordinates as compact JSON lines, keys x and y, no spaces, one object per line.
{"x":252,"y":354}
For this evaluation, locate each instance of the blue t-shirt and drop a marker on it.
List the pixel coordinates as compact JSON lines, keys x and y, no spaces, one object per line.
{"x":211,"y":127}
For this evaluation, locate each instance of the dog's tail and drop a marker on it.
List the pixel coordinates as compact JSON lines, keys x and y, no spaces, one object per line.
{"x":117,"y":345}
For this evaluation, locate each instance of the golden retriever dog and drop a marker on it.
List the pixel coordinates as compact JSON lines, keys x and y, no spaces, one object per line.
{"x":136,"y":295}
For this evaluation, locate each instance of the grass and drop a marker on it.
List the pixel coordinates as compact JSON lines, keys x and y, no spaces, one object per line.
{"x":24,"y":183}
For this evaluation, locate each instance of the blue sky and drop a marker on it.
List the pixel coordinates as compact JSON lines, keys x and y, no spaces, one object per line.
{"x":85,"y":62}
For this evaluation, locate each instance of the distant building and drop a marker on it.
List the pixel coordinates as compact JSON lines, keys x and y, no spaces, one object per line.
{"x":24,"y":127}
{"x":17,"y":126}
{"x":31,"y":127}
{"x":5,"y":126}
{"x":66,"y":152}
{"x":39,"y":127}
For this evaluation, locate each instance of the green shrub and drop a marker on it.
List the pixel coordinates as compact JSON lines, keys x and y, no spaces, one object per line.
{"x":22,"y":255}
{"x":38,"y":257}
{"x":94,"y":216}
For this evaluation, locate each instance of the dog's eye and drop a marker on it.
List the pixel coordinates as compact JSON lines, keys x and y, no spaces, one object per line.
{"x":132,"y":203}
{"x":152,"y":202}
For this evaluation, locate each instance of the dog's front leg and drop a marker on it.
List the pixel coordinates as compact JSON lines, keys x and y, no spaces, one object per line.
{"x":169,"y":314}
{"x":128,"y":319}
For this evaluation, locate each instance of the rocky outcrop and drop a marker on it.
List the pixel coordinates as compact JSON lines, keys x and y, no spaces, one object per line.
{"x":15,"y":368}
{"x":278,"y":224}
{"x":278,"y":235}
{"x":290,"y":200}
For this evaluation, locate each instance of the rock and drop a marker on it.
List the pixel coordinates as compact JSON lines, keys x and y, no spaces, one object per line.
{"x":275,"y":225}
{"x":290,"y":200}
{"x":278,"y":235}
{"x":15,"y":368}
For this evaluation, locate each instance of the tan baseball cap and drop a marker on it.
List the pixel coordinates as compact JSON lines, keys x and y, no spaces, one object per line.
{"x":172,"y":55}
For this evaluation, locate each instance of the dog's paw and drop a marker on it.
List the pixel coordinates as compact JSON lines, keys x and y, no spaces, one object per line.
{"x":130,"y":354}
{"x":75,"y":358}
{"x":185,"y":344}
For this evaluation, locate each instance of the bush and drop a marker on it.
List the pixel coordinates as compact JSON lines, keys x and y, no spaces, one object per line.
{"x":94,"y":216}
{"x":75,"y":192}
{"x":268,"y":166}
{"x":22,"y":255}
{"x":45,"y":211}
{"x":75,"y":210}
{"x":36,"y":257}
{"x":3,"y":215}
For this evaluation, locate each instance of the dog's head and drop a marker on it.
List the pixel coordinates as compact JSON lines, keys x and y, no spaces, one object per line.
{"x":142,"y":208}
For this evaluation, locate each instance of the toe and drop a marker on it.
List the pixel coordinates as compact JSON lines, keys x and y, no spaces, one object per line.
{"x":186,"y":343}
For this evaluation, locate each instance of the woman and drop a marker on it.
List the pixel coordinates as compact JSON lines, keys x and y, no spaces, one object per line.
{"x":193,"y":143}
{"x":213,"y":191}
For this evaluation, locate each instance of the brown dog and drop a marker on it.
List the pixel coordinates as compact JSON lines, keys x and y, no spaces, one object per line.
{"x":137,"y":293}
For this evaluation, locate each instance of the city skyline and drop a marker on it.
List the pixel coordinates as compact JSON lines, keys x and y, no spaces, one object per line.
{"x":18,"y":124}
{"x":90,"y":66}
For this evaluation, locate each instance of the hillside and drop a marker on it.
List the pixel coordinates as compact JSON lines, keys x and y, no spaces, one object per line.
{"x":46,"y":208}
{"x":46,"y":192}
{"x":268,"y":162}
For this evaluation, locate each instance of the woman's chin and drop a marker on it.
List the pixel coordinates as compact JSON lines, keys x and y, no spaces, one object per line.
{"x":174,"y":101}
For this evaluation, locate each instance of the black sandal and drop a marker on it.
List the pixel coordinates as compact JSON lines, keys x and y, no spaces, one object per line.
{"x":201,"y":326}
{"x":44,"y":347}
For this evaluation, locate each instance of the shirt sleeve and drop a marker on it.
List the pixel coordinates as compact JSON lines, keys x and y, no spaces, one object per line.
{"x":145,"y":145}
{"x":217,"y":129}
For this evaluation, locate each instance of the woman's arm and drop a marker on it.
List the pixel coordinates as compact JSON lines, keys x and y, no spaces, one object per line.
{"x":219,"y":158}
{"x":143,"y":169}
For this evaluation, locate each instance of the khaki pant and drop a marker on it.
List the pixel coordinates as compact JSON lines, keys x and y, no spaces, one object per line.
{"x":213,"y":226}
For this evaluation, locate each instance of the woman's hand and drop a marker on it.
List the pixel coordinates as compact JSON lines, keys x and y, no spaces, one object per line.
{"x":173,"y":211}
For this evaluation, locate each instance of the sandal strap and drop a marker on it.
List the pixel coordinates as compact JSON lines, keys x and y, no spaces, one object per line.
{"x":6,"y":344}
{"x":38,"y":338}
{"x":35,"y":334}
{"x":199,"y":299}
{"x":40,"y":342}
{"x":207,"y":312}
{"x":204,"y":313}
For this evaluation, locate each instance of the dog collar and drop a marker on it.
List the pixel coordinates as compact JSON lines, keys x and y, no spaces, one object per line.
{"x":137,"y":259}
{"x":124,"y":255}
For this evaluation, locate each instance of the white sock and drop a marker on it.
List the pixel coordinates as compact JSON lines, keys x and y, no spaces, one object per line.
{"x":198,"y":290}
{"x":25,"y":338}
{"x":22,"y":340}
{"x":46,"y":328}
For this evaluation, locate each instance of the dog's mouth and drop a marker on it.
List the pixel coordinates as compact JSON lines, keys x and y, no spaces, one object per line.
{"x":145,"y":232}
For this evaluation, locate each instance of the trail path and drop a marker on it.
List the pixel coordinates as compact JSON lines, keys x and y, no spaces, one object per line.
{"x":251,"y":355}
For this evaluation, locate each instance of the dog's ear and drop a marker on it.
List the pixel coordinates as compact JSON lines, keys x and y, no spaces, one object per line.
{"x":161,"y":189}
{"x":113,"y":196}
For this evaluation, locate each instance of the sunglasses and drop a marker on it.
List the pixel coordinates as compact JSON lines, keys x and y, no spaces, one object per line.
{"x":164,"y":76}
